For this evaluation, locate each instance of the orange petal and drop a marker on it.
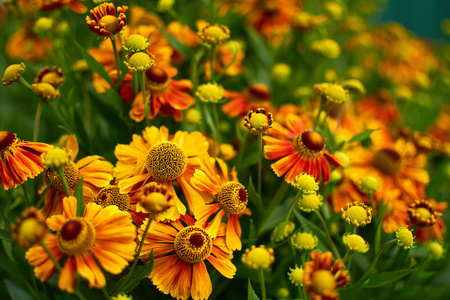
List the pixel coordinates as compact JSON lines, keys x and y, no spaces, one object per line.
{"x":67,"y":278}
{"x":201,"y":282}
{"x":224,"y":266}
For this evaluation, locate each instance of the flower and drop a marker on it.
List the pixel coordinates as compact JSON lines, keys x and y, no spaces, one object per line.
{"x":257,"y":95}
{"x":26,"y":45}
{"x":210,"y":92}
{"x":135,"y":43}
{"x":165,"y":5}
{"x":43,"y":25}
{"x":168,"y":96}
{"x":355,"y":243}
{"x":224,"y":195}
{"x":357,"y":214}
{"x":281,"y":72}
{"x":296,"y":275}
{"x":180,"y":249}
{"x":156,"y":199}
{"x":55,"y":158}
{"x":19,"y":160}
{"x":122,"y":296}
{"x":304,"y":241}
{"x":405,"y":238}
{"x":105,"y":22}
{"x":140,"y":61}
{"x":369,"y":184}
{"x":426,"y":215}
{"x":103,"y":235}
{"x":396,"y":211}
{"x":45,"y":91}
{"x":321,"y":278}
{"x":47,"y":75}
{"x":214,"y":34}
{"x":307,"y":184}
{"x":354,"y":85}
{"x":13,"y":73}
{"x":310,"y":202}
{"x":435,"y":250}
{"x":193,"y":116}
{"x":74,"y":5}
{"x":258,"y":257}
{"x":229,"y":55}
{"x":258,"y":121}
{"x":327,"y":47}
{"x":30,"y":229}
{"x":95,"y":170}
{"x":336,"y":93}
{"x":298,"y":150}
{"x":156,"y":157}
{"x":290,"y":227}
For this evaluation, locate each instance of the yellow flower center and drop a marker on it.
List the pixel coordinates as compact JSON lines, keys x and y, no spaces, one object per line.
{"x":56,"y":157}
{"x":76,"y":237}
{"x":13,"y":73}
{"x":28,"y":229}
{"x":70,"y":173}
{"x":357,"y":213}
{"x":51,"y":78}
{"x":193,"y":244}
{"x":309,"y":144}
{"x":370,"y":183}
{"x":111,"y":195}
{"x":306,"y":183}
{"x":435,"y":250}
{"x":45,"y":90}
{"x":259,"y":257}
{"x":405,"y":237}
{"x":259,"y":92}
{"x":356,"y":243}
{"x":157,"y":80}
{"x":387,"y":161}
{"x":323,"y":281}
{"x":215,"y":32}
{"x":296,"y":276}
{"x":154,"y":202}
{"x":140,"y":61}
{"x":232,"y":197}
{"x":304,"y":241}
{"x":136,"y":43}
{"x":210,"y":92}
{"x":111,"y":23}
{"x":258,"y":120}
{"x":423,"y":213}
{"x":336,"y":93}
{"x":310,"y":202}
{"x":166,"y":161}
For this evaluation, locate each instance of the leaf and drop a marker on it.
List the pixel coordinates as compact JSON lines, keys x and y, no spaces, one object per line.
{"x":139,"y":273}
{"x":362,"y":136}
{"x":16,"y":292}
{"x":261,"y":50}
{"x":252,"y":231}
{"x":94,"y":65}
{"x":114,"y":99}
{"x":80,"y":131}
{"x":178,"y":46}
{"x":78,"y":193}
{"x":387,"y":278}
{"x":280,"y":229}
{"x":5,"y":235}
{"x":252,"y":194}
{"x":251,"y":292}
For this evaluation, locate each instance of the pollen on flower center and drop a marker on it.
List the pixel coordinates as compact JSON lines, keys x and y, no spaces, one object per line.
{"x":232,"y":197}
{"x":166,"y":161}
{"x":193,"y":244}
{"x":387,"y":161}
{"x":70,"y":173}
{"x":322,"y":281}
{"x":111,"y":23}
{"x":309,"y":144}
{"x":76,"y":237}
{"x":111,"y":195}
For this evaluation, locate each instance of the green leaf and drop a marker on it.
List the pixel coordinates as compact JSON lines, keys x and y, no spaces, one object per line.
{"x":362,"y":136}
{"x":252,"y":231}
{"x":251,"y":292}
{"x":252,"y":194}
{"x":178,"y":46}
{"x":387,"y":278}
{"x":78,"y":193}
{"x":80,"y":131}
{"x":16,"y":292}
{"x":114,"y":100}
{"x":5,"y":235}
{"x":280,"y":229}
{"x":139,"y":273}
{"x":260,"y":48}
{"x":94,"y":65}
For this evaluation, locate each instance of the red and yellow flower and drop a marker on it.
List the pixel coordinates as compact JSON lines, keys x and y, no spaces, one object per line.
{"x":257,"y":95}
{"x":105,"y":22}
{"x":426,"y":215}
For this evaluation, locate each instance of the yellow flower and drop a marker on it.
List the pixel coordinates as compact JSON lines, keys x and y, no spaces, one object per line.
{"x":258,"y":121}
{"x":307,"y":184}
{"x":45,"y":90}
{"x":140,"y":61}
{"x":281,"y":72}
{"x":333,"y":10}
{"x":164,"y":5}
{"x":193,"y":116}
{"x":405,"y":238}
{"x":55,"y":158}
{"x":210,"y":92}
{"x":258,"y":257}
{"x":357,"y":214}
{"x":135,"y":43}
{"x":369,"y":184}
{"x":336,"y":93}
{"x":290,"y":227}
{"x":29,"y":229}
{"x":296,"y":275}
{"x":354,"y":85}
{"x":435,"y":250}
{"x":43,"y":25}
{"x":304,"y":241}
{"x":327,"y":47}
{"x":13,"y":73}
{"x":213,"y":34}
{"x":310,"y":202}
{"x":355,"y":243}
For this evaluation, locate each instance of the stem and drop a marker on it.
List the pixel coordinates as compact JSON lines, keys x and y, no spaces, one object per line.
{"x":136,"y":258}
{"x":216,"y":120}
{"x":64,"y":181}
{"x":25,"y":83}
{"x":242,"y":149}
{"x":87,"y":106}
{"x":274,"y":203}
{"x":213,"y":55}
{"x":37,"y":119}
{"x":371,"y":200}
{"x":263,"y":283}
{"x":4,"y":217}
{"x":105,"y":293}
{"x":116,"y":54}
{"x":144,"y":97}
{"x":50,"y":255}
{"x":316,"y":122}
{"x":58,"y":114}
{"x":25,"y":194}
{"x":336,"y":253}
{"x":260,"y":163}
{"x":374,"y":261}
{"x":291,"y":208}
{"x":347,"y":256}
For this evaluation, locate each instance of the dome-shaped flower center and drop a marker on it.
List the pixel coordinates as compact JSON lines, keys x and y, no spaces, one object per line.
{"x":166,"y":161}
{"x":387,"y":161}
{"x":156,"y":74}
{"x":76,"y":237}
{"x":405,"y":237}
{"x":310,"y":202}
{"x":6,"y":140}
{"x":232,"y":197}
{"x":309,"y":144}
{"x":259,"y":92}
{"x":215,"y":32}
{"x":111,"y":23}
{"x":323,"y":281}
{"x":423,"y":213}
{"x":336,"y":93}
{"x":111,"y":195}
{"x":296,"y":276}
{"x":51,"y":78}
{"x":357,"y":213}
{"x":193,"y":244}
{"x":304,"y":240}
{"x":259,"y":256}
{"x":70,"y":173}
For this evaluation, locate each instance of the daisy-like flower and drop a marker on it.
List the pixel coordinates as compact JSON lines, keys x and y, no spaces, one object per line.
{"x":96,"y":171}
{"x":180,"y":249}
{"x":258,"y":121}
{"x":226,"y":196}
{"x":322,"y":277}
{"x":214,"y":34}
{"x":296,"y":275}
{"x":426,"y":215}
{"x":298,"y":150}
{"x":29,"y":229}
{"x":154,"y":198}
{"x":105,"y":22}
{"x":357,"y":214}
{"x":258,"y":257}
{"x":355,"y":243}
{"x":405,"y":237}
{"x":103,"y":235}
{"x":19,"y":160}
{"x":53,"y":76}
{"x":168,"y":96}
{"x":257,"y":95}
{"x":156,"y":157}
{"x":304,"y":241}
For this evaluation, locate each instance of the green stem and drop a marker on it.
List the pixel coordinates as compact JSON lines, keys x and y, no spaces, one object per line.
{"x":58,"y":114}
{"x":25,"y":195}
{"x":260,"y":163}
{"x":284,"y":187}
{"x":136,"y":258}
{"x":37,"y":119}
{"x":336,"y":253}
{"x":374,"y":261}
{"x":291,"y":207}
{"x":347,"y":256}
{"x":371,"y":200}
{"x":79,"y":294}
{"x":144,"y":97}
{"x":105,"y":293}
{"x":4,"y":217}
{"x":316,"y":122}
{"x":217,"y":121}
{"x":25,"y":83}
{"x":263,"y":283}
{"x":64,"y":181}
{"x":242,"y":149}
{"x":213,"y":55}
{"x":87,"y":105}
{"x":50,"y":255}
{"x":116,"y":54}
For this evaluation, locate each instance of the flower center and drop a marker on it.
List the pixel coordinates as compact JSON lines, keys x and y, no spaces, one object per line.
{"x":157,"y":80}
{"x":51,"y":78}
{"x":423,"y":213}
{"x":6,"y":140}
{"x":215,"y":32}
{"x":193,"y":244}
{"x":166,"y":161}
{"x":111,"y":195}
{"x":70,"y":173}
{"x":357,"y":213}
{"x":309,"y":144}
{"x":232,"y":197}
{"x":76,"y":237}
{"x":259,"y":92}
{"x":111,"y":23}
{"x":323,"y":281}
{"x":387,"y":161}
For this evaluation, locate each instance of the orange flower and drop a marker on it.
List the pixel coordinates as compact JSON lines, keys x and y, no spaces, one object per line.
{"x":321,"y":278}
{"x":180,"y":249}
{"x":168,"y":96}
{"x":258,"y":95}
{"x":26,"y":45}
{"x":396,"y":212}
{"x":74,"y":5}
{"x":185,"y":35}
{"x":379,"y":106}
{"x":105,"y":22}
{"x":298,"y":150}
{"x":96,"y":171}
{"x":426,"y":215}
{"x":19,"y":160}
{"x":225,"y":54}
{"x":156,"y":157}
{"x":103,"y":235}
{"x":225,"y":196}
{"x":397,"y":164}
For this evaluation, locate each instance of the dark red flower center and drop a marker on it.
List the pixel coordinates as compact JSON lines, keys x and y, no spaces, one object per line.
{"x":70,"y":230}
{"x":313,"y":140}
{"x":242,"y":195}
{"x":156,"y":75}
{"x":260,"y":91}
{"x":196,"y":240}
{"x":387,"y":161}
{"x":6,"y":139}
